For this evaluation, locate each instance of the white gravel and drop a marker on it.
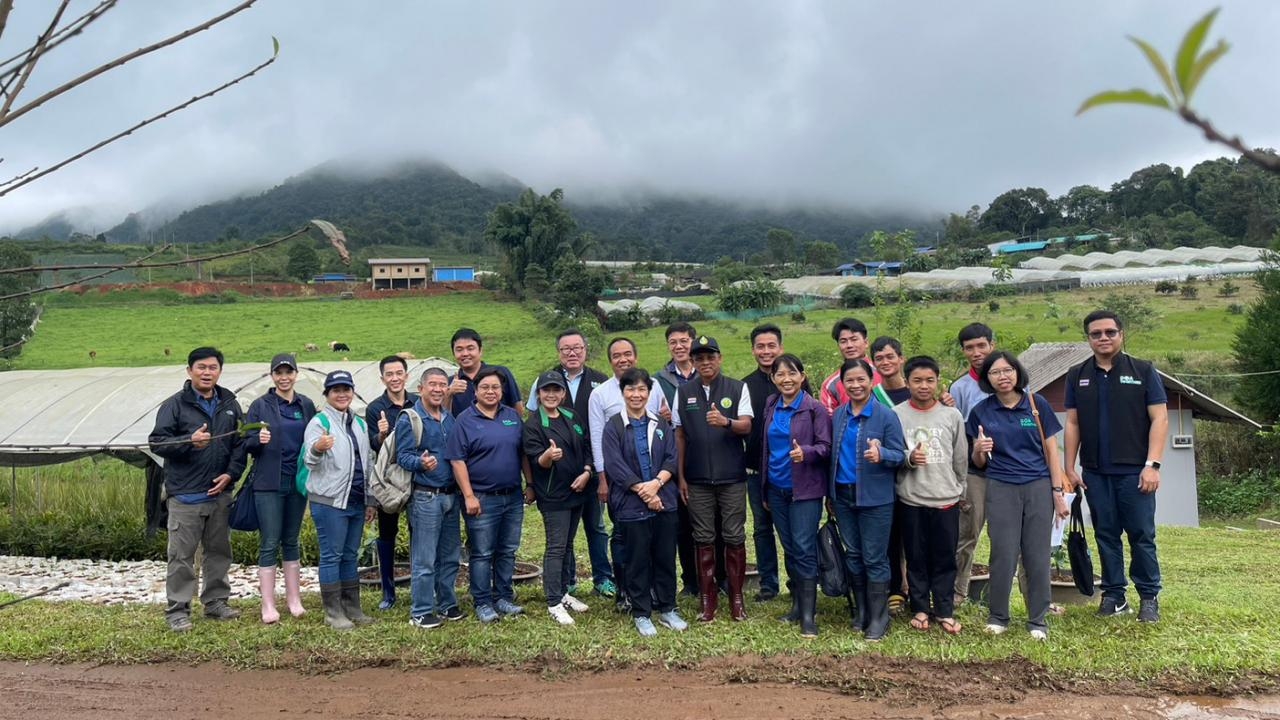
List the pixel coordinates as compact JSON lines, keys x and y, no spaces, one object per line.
{"x":109,"y":583}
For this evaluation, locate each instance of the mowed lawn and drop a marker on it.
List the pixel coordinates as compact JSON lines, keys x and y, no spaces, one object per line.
{"x":254,"y":330}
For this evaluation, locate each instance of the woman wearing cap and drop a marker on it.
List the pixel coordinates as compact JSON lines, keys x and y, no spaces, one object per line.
{"x":335,"y":458}
{"x":275,"y":495}
{"x":555,"y":442}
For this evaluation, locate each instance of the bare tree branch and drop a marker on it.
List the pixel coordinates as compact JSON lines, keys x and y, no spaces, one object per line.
{"x":33,"y":58}
{"x":6,"y":7}
{"x":68,"y":31}
{"x":77,"y":281}
{"x":1267,"y":161}
{"x":7,"y":188}
{"x":16,"y":178}
{"x":68,"y":86}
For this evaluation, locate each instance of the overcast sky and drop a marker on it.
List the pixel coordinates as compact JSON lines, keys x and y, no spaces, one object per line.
{"x":925,"y":106}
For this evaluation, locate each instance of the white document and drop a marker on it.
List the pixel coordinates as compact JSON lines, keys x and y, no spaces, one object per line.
{"x":1060,"y":524}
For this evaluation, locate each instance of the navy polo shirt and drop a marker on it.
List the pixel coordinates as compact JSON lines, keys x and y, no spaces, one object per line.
{"x":780,"y":443}
{"x":491,"y":448}
{"x":510,"y":391}
{"x":1102,"y":383}
{"x":1018,"y":457}
{"x":849,"y":451}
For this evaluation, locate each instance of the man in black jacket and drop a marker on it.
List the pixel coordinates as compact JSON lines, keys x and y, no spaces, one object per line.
{"x":196,"y":433}
{"x":1118,"y":423}
{"x":580,"y":379}
{"x":380,"y":418}
{"x":766,"y":346}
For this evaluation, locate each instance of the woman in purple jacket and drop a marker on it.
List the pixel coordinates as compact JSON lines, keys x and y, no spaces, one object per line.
{"x":797,"y":444}
{"x":640,"y":463}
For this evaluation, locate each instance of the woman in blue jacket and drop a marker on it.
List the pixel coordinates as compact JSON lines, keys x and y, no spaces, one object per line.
{"x":640,"y":463}
{"x":275,"y":496}
{"x":867,"y":447}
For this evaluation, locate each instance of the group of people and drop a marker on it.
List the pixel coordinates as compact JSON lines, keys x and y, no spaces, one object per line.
{"x":910,"y":470}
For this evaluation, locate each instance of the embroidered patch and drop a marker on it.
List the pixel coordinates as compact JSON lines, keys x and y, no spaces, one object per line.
{"x":1028,"y":422}
{"x":658,"y":433}
{"x":726,"y":403}
{"x":577,"y":428}
{"x":509,"y":423}
{"x":1084,"y":382}
{"x":691,"y":401}
{"x":594,"y":384}
{"x":1129,"y":380}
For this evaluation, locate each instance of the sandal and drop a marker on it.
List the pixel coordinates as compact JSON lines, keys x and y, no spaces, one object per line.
{"x":1056,"y":609}
{"x":920,"y":621}
{"x":951,"y":625}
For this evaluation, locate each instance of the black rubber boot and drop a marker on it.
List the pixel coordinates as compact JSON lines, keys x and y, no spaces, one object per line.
{"x":858,"y":587}
{"x":877,"y":614}
{"x":334,"y":615}
{"x":387,"y":573}
{"x":808,"y":608}
{"x":351,"y":603}
{"x":794,"y":614}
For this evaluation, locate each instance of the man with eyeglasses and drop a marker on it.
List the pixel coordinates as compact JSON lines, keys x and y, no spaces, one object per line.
{"x":380,"y":417}
{"x":1117,"y":424}
{"x":679,"y":370}
{"x":572,"y":347}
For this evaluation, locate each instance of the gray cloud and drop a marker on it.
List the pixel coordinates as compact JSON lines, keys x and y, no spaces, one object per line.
{"x":930,"y":106}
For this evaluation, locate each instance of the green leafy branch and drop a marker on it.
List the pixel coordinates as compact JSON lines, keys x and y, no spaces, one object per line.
{"x":1180,"y":81}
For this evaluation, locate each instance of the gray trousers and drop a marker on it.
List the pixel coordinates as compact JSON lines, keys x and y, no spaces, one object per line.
{"x":191,"y":526}
{"x":727,"y":499}
{"x":971,"y":523}
{"x":1019,"y":522}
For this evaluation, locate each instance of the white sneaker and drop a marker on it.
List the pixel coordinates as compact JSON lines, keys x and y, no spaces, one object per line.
{"x":574,"y":603}
{"x":672,"y":619}
{"x":561,"y":614}
{"x":1039,"y":635}
{"x":995,"y":629}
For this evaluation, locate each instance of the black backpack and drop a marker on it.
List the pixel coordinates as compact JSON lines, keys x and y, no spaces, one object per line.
{"x":831,"y":568}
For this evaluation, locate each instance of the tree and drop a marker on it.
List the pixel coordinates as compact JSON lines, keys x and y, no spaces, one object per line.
{"x":961,"y":231}
{"x":17,"y":314}
{"x":533,"y":231}
{"x":821,"y":255}
{"x":1020,"y":211}
{"x":892,"y":248}
{"x":1084,"y":205}
{"x":304,"y":261}
{"x":782,"y":245}
{"x":758,"y":294}
{"x":1001,"y":270}
{"x":1257,"y":344}
{"x":577,"y":289}
{"x":856,"y":295}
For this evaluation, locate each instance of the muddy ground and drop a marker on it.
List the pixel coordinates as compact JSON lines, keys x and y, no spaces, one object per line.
{"x":173,"y":691}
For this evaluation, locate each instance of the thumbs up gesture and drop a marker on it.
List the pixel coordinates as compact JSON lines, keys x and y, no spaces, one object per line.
{"x":919,"y":456}
{"x":324,"y":444}
{"x":716,"y":419}
{"x":554,"y":453}
{"x":873,"y":451}
{"x":983,"y":444}
{"x":264,"y":435}
{"x":429,"y":461}
{"x":200,"y":438}
{"x":384,"y":427}
{"x":797,"y":453}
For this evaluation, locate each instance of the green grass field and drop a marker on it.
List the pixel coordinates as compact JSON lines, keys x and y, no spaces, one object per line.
{"x":254,"y":330}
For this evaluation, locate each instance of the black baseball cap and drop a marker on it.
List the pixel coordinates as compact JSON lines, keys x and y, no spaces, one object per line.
{"x":704,"y":344}
{"x":338,"y":378}
{"x":284,"y":359}
{"x":551,"y":377}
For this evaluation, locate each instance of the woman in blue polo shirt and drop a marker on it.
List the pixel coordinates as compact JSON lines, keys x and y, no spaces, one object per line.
{"x":867,"y":447}
{"x":485,"y":450}
{"x":1011,"y":434}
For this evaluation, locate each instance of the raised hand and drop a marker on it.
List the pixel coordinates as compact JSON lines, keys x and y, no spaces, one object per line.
{"x":264,"y":436}
{"x":716,"y":419}
{"x":384,"y":427}
{"x":324,"y":444}
{"x":984,"y":444}
{"x":429,"y":462}
{"x":919,"y":456}
{"x":873,"y":451}
{"x":554,"y":453}
{"x":797,"y":453}
{"x":458,"y":386}
{"x":200,"y":438}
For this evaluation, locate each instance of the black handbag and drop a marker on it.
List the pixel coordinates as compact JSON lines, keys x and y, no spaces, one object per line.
{"x":1078,"y":550}
{"x":831,"y":568}
{"x":244,"y":511}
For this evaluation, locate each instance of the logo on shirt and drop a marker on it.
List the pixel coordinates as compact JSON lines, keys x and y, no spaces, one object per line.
{"x":230,"y":412}
{"x":726,"y":403}
{"x":1084,"y":382}
{"x":1129,"y":380}
{"x":1027,"y":422}
{"x":658,"y":433}
{"x":509,"y":423}
{"x":577,"y":428}
{"x":297,"y":414}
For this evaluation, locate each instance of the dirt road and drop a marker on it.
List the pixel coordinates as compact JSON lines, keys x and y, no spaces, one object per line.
{"x":170,"y":692}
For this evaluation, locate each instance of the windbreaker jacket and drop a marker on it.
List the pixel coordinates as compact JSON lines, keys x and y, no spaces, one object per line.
{"x":331,"y":473}
{"x":624,"y":467}
{"x":187,"y":469}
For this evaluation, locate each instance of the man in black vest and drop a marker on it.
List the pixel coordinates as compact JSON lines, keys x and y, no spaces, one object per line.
{"x":572,"y":347}
{"x":1118,"y":423}
{"x":712,"y":416}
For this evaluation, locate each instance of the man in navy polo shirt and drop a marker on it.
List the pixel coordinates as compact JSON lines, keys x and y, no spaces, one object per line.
{"x":468,"y":351}
{"x":1118,"y":423}
{"x":484,"y":450}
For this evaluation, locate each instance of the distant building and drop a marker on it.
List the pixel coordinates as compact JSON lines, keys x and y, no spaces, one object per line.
{"x":871,"y":269}
{"x":399,"y":273}
{"x":453,"y":274}
{"x":334,"y":278}
{"x":1022,"y":245}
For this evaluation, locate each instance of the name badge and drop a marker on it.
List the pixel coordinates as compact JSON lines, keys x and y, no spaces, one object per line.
{"x":1084,"y":382}
{"x":1129,"y":380}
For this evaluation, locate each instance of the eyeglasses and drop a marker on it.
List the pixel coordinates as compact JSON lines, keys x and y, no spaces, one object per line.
{"x":1099,"y":334}
{"x":573,"y":349}
{"x":1002,"y":371}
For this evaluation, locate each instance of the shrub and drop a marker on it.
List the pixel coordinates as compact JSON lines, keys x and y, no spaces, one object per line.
{"x":1228,"y":289}
{"x":993,"y":305}
{"x":1238,"y":495}
{"x":1189,"y":292}
{"x":1166,"y":287}
{"x":856,"y":295}
{"x":1235,"y":309}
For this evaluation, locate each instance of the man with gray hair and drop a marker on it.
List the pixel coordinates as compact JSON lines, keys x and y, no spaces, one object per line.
{"x":435,"y":543}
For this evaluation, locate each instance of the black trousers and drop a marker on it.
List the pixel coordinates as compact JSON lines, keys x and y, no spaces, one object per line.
{"x":651,"y":563}
{"x":897,"y":553}
{"x":929,"y":537}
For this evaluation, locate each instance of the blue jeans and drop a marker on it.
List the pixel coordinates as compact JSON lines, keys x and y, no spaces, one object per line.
{"x":597,"y":542}
{"x":493,"y":537}
{"x":1116,"y":506}
{"x":435,"y":548}
{"x":865,"y":531}
{"x":762,"y":534}
{"x":797,"y":523}
{"x":339,"y":533}
{"x":279,"y":523}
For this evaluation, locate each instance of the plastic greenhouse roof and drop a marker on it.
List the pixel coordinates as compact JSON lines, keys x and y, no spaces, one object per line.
{"x":61,"y":415}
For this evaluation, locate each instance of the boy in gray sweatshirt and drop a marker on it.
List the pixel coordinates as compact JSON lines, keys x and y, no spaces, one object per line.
{"x":930,"y":486}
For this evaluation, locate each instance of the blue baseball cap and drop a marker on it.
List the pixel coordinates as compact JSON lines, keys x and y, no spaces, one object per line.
{"x":338,"y":378}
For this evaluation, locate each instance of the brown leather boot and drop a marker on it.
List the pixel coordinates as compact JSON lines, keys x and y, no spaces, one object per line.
{"x":735,"y":565}
{"x":708,"y":592}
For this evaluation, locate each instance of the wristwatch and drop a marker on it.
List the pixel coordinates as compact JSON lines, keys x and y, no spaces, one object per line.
{"x":1153,"y":464}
